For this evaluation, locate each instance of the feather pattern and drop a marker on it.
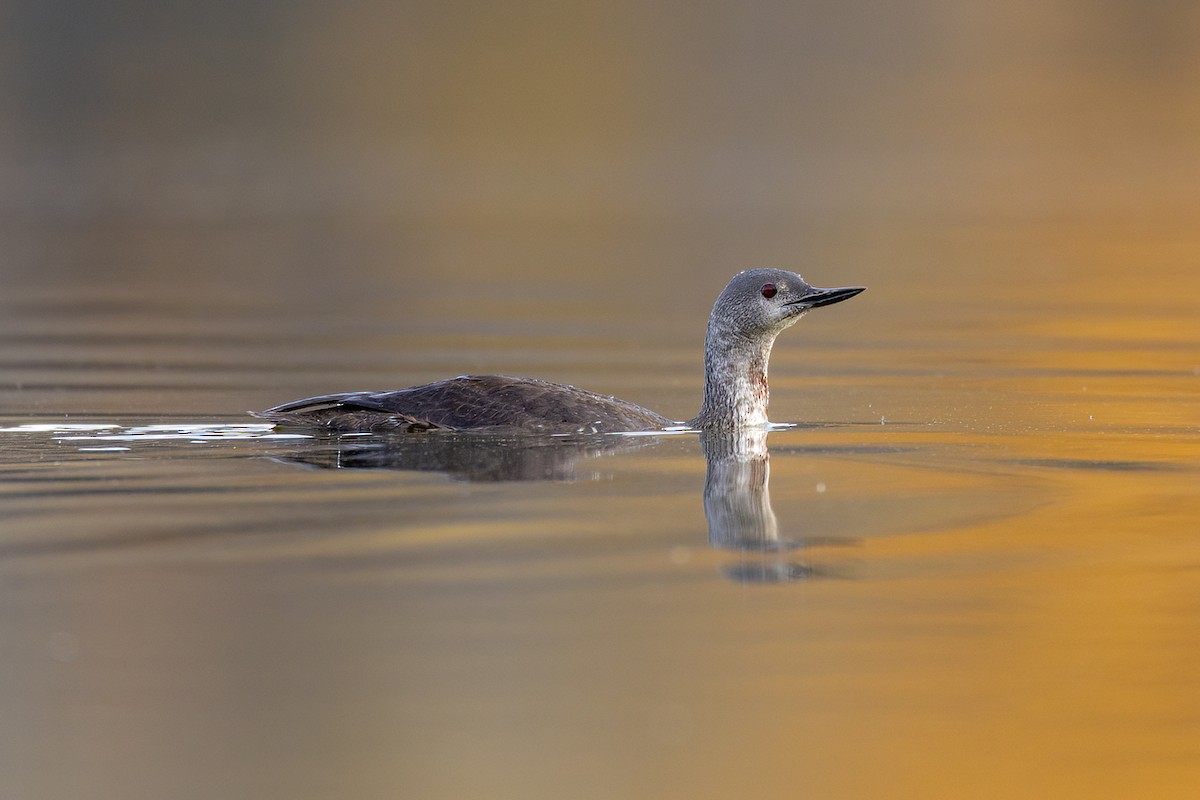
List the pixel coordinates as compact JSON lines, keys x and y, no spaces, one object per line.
{"x":495,"y":403}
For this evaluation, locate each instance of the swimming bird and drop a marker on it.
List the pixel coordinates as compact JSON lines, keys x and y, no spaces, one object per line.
{"x":755,"y":307}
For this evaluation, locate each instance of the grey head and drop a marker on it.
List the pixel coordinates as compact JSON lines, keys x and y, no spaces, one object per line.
{"x":765,"y":302}
{"x":755,"y":307}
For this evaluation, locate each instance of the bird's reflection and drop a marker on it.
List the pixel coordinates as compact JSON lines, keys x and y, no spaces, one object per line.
{"x":737,"y":504}
{"x":469,"y":457}
{"x":737,"y":496}
{"x":737,"y":491}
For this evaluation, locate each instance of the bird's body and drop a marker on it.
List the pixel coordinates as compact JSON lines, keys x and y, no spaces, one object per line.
{"x":753,"y":309}
{"x":482,"y":403}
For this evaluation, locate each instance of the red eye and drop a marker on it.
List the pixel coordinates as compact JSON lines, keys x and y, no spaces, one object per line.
{"x":769,"y":290}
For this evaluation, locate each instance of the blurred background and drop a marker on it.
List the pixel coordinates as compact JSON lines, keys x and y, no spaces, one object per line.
{"x":421,"y":154}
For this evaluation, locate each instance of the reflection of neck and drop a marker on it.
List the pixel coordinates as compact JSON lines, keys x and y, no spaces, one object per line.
{"x":735,"y":378}
{"x":737,"y":497}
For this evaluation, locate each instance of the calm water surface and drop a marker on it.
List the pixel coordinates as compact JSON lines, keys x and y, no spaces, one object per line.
{"x":972,"y":570}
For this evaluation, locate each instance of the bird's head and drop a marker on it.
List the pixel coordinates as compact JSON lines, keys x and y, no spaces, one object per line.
{"x":763,"y":302}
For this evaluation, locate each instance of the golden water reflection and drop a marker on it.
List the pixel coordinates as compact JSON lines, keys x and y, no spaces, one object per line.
{"x":1016,"y":613}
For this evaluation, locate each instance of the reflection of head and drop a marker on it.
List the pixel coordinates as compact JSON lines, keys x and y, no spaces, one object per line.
{"x":768,"y":571}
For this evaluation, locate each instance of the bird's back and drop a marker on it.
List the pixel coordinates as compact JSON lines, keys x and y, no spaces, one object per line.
{"x":485,"y":403}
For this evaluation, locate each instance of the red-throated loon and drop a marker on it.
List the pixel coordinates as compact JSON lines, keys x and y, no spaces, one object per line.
{"x":755,"y":307}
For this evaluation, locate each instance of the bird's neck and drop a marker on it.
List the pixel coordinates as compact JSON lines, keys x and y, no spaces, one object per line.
{"x":735,"y":380}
